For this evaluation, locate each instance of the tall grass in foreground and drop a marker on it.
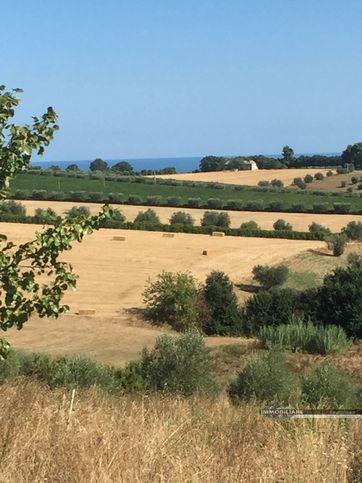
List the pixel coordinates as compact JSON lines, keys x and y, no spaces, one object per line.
{"x":165,"y":438}
{"x":300,"y":336}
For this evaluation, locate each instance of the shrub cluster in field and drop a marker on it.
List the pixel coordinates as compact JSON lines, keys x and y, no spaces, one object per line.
{"x":176,"y":364}
{"x":338,"y":301}
{"x":176,"y":299}
{"x":183,"y":365}
{"x":269,"y":378}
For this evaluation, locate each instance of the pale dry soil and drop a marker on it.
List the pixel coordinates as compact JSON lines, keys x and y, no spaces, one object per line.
{"x":112,"y":277}
{"x":250,"y":178}
{"x":299,"y":221}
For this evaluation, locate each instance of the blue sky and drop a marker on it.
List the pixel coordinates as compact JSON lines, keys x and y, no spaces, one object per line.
{"x":159,"y":78}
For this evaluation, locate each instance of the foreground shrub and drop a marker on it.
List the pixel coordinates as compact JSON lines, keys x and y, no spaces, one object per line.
{"x":270,"y":276}
{"x":266,"y":378}
{"x":301,"y":336}
{"x":66,"y":371}
{"x":171,"y":299}
{"x":76,"y":211}
{"x":179,"y":365}
{"x":332,"y":386}
{"x":181,"y":218}
{"x":226,"y":318}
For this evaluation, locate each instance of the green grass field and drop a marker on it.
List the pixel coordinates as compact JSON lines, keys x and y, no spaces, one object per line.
{"x":204,"y":191}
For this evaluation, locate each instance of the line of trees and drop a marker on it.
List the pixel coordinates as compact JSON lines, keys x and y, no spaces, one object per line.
{"x":352,"y":155}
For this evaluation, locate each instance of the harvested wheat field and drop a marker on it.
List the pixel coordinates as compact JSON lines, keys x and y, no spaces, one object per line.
{"x":299,"y":221}
{"x":250,"y":178}
{"x":113,"y":274}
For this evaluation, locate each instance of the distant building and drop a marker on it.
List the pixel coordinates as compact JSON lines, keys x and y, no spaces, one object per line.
{"x":253,"y":165}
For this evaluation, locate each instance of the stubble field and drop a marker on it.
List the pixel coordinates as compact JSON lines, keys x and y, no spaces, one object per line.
{"x":112,"y":277}
{"x":250,"y":178}
{"x":299,"y":221}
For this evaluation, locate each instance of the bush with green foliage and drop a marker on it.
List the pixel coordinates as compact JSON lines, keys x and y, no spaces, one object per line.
{"x":342,"y":207}
{"x":354,"y":259}
{"x":353,"y":230}
{"x":277,"y":183}
{"x":147,"y":217}
{"x":213,"y":218}
{"x":317,"y":228}
{"x":96,"y":196}
{"x":39,"y":194}
{"x":271,"y":307}
{"x":319,"y":176}
{"x":215,"y":203}
{"x":281,"y":225}
{"x":181,"y":218}
{"x":338,"y":300}
{"x":331,"y":386}
{"x":134,"y":200}
{"x":218,"y":293}
{"x":12,"y":208}
{"x":98,"y":165}
{"x":174,"y":201}
{"x":180,"y":364}
{"x":76,"y":211}
{"x":21,"y":194}
{"x":266,"y":378}
{"x":299,"y":183}
{"x":249,"y":226}
{"x":154,"y":200}
{"x":194,"y":202}
{"x":45,"y":216}
{"x":115,"y":197}
{"x":329,"y":173}
{"x":264,"y":183}
{"x":269,"y":277}
{"x":301,"y":336}
{"x":79,"y":196}
{"x":337,"y":244}
{"x":171,"y":299}
{"x":321,"y":207}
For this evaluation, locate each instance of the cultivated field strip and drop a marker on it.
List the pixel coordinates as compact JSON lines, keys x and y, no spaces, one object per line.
{"x":299,"y":221}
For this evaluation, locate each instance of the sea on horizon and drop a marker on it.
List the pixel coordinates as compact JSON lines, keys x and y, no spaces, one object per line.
{"x":181,"y":164}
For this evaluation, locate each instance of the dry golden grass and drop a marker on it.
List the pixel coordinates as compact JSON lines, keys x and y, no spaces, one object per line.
{"x":250,"y":178}
{"x":333,"y":183}
{"x":165,"y":439}
{"x":299,"y":221}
